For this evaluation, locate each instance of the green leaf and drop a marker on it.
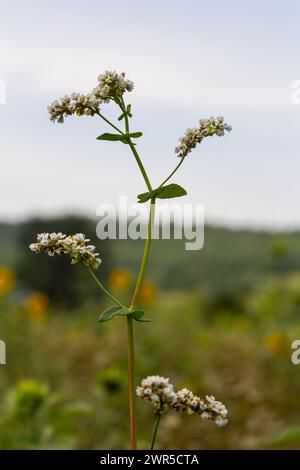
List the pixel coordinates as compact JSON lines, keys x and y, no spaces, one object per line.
{"x":144,"y":197}
{"x":138,"y":315}
{"x":128,"y":110}
{"x":111,"y":313}
{"x":164,"y":192}
{"x":135,"y":135}
{"x":170,"y":191}
{"x":119,"y":137}
{"x":112,"y":137}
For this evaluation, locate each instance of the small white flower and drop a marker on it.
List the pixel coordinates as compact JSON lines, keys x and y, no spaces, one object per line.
{"x":73,"y":245}
{"x":216,"y":406}
{"x":207,"y":128}
{"x":154,"y":397}
{"x":220,"y":422}
{"x":158,"y":391}
{"x":204,"y":416}
{"x":112,"y":85}
{"x":81,"y":105}
{"x":34,"y":247}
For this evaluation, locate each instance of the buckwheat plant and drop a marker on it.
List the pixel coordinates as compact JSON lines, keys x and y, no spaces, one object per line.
{"x":111,"y":89}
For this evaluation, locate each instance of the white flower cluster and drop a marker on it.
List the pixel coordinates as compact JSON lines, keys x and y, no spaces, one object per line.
{"x":158,"y":391}
{"x":112,"y":84}
{"x":207,"y":128}
{"x":207,"y":408}
{"x":81,"y":105}
{"x":73,"y":245}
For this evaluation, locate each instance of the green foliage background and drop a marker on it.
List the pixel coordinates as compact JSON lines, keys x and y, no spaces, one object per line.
{"x":222,"y":323}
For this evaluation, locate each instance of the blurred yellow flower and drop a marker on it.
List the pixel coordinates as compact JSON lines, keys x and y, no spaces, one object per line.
{"x":7,"y":280}
{"x":29,"y":397}
{"x":120,"y":279}
{"x":275,"y":342}
{"x":148,"y":292}
{"x":37,"y":307}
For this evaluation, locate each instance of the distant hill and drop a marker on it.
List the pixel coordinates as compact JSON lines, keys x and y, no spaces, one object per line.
{"x":230,"y":259}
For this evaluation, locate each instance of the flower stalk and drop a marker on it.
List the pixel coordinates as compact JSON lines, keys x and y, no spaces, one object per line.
{"x":131,"y":368}
{"x":131,"y":383}
{"x":111,"y":87}
{"x":154,"y":432}
{"x":106,"y":292}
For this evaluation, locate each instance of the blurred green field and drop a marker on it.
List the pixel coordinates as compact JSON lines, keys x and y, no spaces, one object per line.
{"x":223,"y":320}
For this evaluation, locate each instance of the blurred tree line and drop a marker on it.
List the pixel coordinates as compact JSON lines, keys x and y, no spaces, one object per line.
{"x":64,"y":284}
{"x":232,"y":262}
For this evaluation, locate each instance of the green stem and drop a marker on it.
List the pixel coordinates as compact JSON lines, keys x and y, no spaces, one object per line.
{"x":131,"y":383}
{"x":123,"y":108}
{"x":103,"y":288}
{"x":130,"y":334}
{"x":145,"y":258}
{"x":135,"y":153}
{"x":155,"y":428}
{"x":131,"y":371}
{"x":173,"y":172}
{"x":141,"y":166}
{"x":110,"y":123}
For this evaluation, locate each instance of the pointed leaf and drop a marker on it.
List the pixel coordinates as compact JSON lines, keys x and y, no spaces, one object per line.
{"x":112,"y":137}
{"x":144,"y":197}
{"x":163,"y":192}
{"x":135,"y":135}
{"x":119,"y":137}
{"x":128,"y":110}
{"x":110,"y":313}
{"x":138,"y":315}
{"x":171,"y":191}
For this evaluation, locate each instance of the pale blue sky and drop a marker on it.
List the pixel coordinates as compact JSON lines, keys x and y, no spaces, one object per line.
{"x":188,"y":60}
